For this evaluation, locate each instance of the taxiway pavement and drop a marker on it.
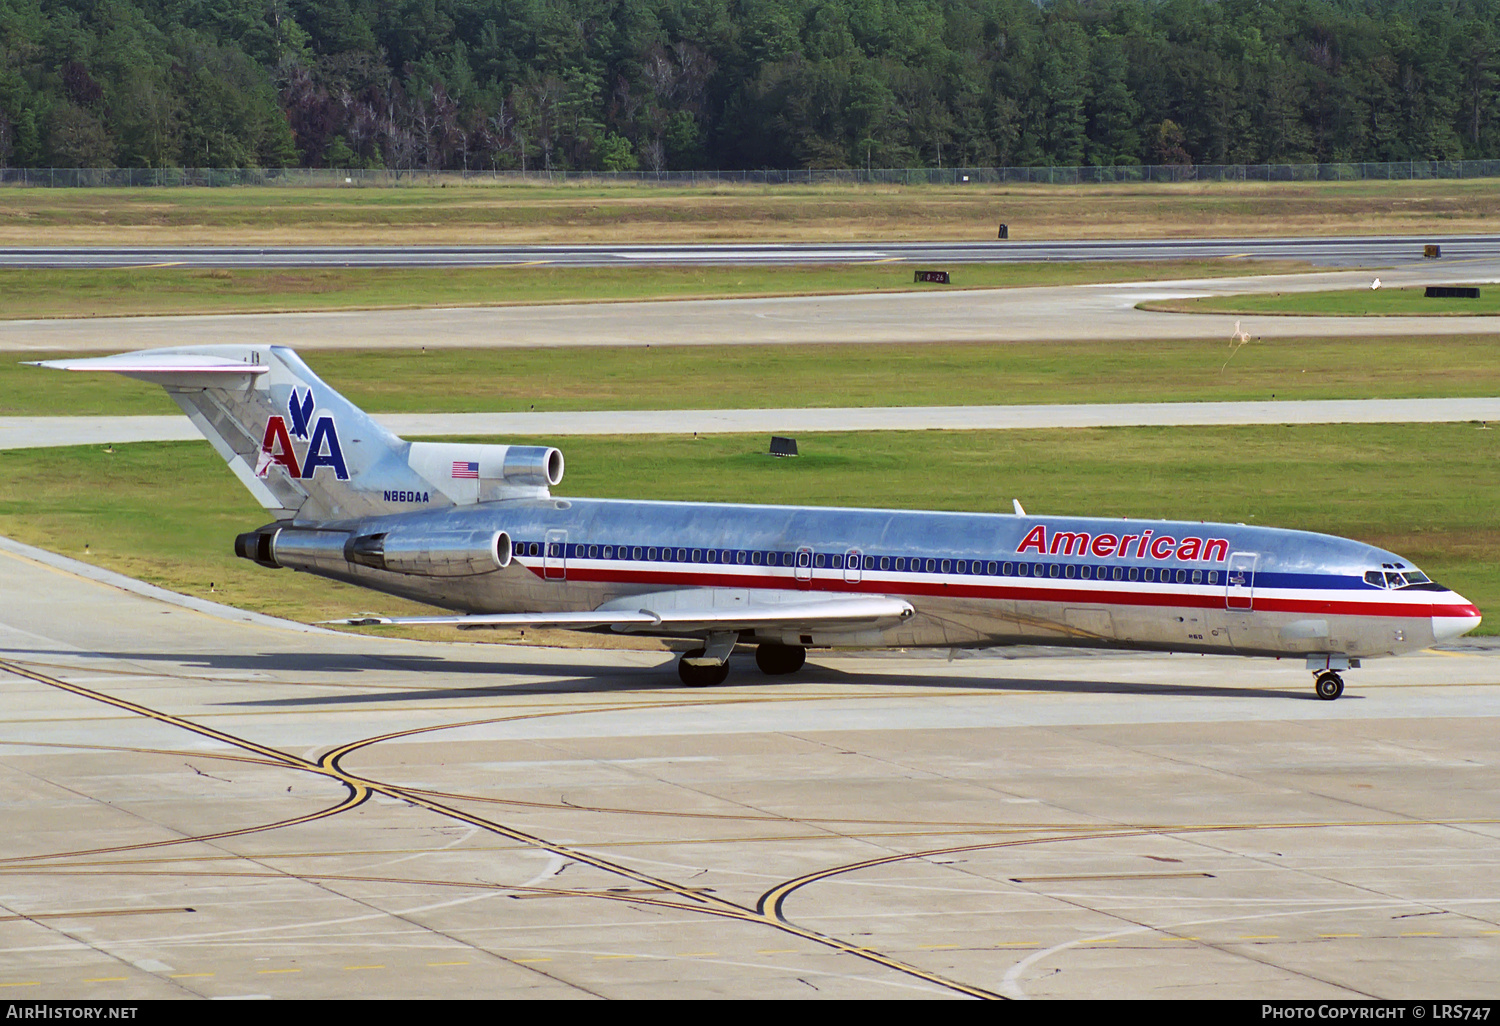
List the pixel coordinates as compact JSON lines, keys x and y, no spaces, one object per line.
{"x":993,"y":315}
{"x":201,"y":806}
{"x":41,"y":432}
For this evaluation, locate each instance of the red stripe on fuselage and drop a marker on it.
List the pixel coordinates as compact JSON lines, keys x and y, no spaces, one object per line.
{"x":1264,"y":603}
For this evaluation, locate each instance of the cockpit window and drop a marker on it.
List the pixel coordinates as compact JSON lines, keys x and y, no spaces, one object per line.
{"x":1397,"y":578}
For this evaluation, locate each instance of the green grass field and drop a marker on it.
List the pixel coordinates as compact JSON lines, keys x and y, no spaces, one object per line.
{"x":480,"y":211}
{"x":142,"y":291}
{"x":742,"y":377}
{"x":1385,"y":302}
{"x":168,"y":512}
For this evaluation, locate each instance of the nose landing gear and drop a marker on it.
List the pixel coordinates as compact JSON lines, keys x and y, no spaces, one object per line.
{"x":1329,"y":685}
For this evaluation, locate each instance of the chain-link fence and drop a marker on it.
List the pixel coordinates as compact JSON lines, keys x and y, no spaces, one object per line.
{"x":124,"y":177}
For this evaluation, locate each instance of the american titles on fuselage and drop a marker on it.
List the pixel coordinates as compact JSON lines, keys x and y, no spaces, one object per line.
{"x":1163,"y":546}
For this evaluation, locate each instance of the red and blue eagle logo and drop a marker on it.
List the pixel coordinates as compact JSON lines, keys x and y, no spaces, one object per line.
{"x":320,"y":434}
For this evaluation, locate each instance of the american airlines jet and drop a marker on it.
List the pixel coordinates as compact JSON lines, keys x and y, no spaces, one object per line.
{"x":476,"y":529}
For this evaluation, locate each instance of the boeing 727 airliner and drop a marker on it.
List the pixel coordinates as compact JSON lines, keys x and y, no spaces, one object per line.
{"x":475,"y":529}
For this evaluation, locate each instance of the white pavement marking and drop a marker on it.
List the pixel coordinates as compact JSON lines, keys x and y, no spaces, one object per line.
{"x":36,"y":432}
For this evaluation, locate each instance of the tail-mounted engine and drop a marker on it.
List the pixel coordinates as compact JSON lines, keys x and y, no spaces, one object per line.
{"x":415,"y":552}
{"x":432,"y":554}
{"x":484,"y":473}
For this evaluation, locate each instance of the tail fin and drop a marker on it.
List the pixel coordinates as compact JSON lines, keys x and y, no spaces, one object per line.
{"x":308,"y":454}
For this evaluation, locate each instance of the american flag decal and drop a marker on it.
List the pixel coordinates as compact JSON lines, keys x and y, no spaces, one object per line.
{"x":463,"y":469}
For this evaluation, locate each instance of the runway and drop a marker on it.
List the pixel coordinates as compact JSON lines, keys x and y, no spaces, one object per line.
{"x":201,"y":806}
{"x":1333,"y":251}
{"x":43,"y":432}
{"x":993,"y":315}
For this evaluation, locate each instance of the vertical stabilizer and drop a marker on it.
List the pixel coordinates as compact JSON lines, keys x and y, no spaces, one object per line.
{"x":305,"y":452}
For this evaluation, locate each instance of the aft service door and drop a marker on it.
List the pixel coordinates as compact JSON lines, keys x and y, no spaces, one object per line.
{"x":1239,"y":588}
{"x":555,"y":556}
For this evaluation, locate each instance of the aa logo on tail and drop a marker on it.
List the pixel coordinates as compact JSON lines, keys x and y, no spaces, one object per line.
{"x":322,"y":449}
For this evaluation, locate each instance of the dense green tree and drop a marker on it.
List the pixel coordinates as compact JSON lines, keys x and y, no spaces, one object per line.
{"x":676,"y":84}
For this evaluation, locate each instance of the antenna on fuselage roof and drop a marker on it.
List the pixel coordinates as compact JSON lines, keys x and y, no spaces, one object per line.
{"x":1019,"y":511}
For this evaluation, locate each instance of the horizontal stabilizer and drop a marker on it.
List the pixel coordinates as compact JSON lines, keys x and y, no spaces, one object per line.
{"x":184,"y":370}
{"x":686,"y":612}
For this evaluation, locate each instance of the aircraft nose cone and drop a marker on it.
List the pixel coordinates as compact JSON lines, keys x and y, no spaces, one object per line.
{"x":1452,"y":619}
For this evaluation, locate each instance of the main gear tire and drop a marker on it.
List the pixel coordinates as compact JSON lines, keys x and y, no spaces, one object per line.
{"x":779,"y":660}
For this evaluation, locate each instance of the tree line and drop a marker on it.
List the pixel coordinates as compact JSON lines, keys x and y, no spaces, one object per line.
{"x":730,"y":84}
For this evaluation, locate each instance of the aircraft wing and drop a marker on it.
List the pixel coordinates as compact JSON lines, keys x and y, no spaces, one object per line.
{"x":691,"y":610}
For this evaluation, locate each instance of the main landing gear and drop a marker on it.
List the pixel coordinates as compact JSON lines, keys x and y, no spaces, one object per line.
{"x":701,"y":674}
{"x":778,"y":660}
{"x":1329,"y":685}
{"x":708,"y":666}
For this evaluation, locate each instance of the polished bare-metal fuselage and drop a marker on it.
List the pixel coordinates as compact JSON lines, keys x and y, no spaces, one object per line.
{"x":973,"y":579}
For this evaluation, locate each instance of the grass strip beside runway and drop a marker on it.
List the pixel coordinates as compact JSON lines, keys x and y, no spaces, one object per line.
{"x":769,"y":377}
{"x":1366,"y":302}
{"x":149,"y":291}
{"x":168,"y":512}
{"x":491,"y":212}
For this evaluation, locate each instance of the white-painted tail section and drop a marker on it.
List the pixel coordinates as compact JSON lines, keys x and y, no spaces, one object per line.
{"x":308,"y":454}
